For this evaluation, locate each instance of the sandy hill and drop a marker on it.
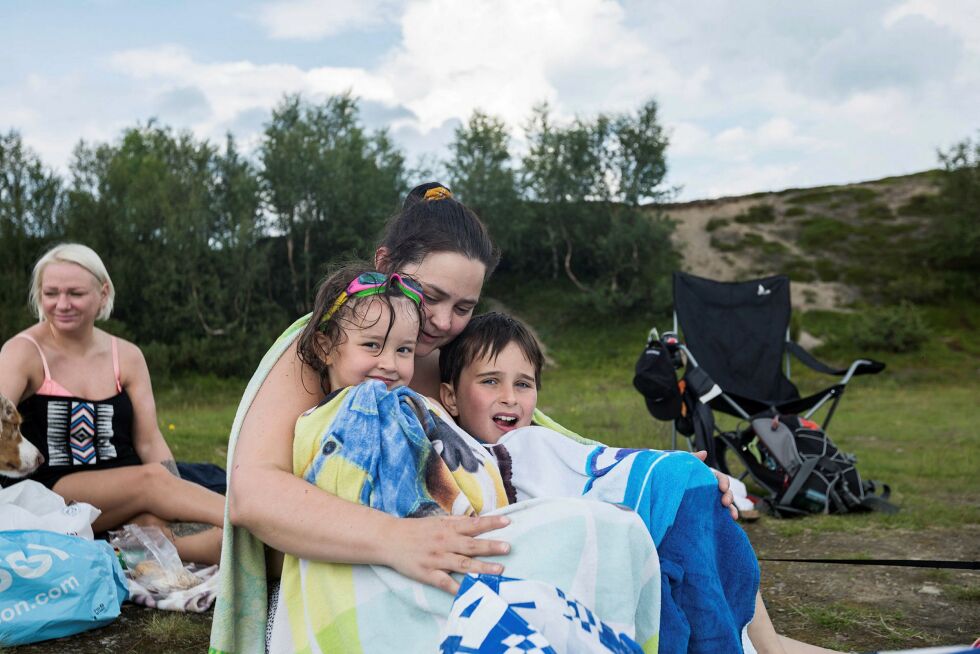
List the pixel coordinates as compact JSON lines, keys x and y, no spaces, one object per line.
{"x":826,"y":238}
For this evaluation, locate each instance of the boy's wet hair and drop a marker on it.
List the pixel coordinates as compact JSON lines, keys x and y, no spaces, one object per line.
{"x":432,"y":220}
{"x":486,"y":336}
{"x":312,"y":350}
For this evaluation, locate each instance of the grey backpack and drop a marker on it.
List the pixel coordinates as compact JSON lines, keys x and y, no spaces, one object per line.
{"x":804,"y":471}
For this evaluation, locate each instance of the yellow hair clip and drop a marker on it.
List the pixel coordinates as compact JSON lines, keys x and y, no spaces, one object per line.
{"x":437,"y":193}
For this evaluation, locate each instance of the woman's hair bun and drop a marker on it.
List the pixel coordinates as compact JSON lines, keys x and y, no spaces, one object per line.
{"x":427,"y":191}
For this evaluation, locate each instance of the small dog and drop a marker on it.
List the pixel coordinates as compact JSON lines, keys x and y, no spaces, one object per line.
{"x":18,"y":458}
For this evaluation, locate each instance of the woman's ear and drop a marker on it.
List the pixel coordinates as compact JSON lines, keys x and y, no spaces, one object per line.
{"x":381,"y":258}
{"x":448,"y":396}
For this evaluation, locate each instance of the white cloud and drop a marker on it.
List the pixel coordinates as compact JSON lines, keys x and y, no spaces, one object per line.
{"x":316,"y":19}
{"x":505,"y":57}
{"x":233,"y":88}
{"x":754,"y":95}
{"x":962,"y":17}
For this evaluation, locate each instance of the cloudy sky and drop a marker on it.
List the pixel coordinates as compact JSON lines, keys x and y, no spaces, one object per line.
{"x":757,"y":95}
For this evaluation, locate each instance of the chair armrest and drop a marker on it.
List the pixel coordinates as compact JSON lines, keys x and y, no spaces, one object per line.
{"x":857,"y":367}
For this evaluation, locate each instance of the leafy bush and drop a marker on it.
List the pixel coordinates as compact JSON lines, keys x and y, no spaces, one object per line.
{"x":821,"y":232}
{"x":899,"y":328}
{"x":923,"y":204}
{"x":827,"y":270}
{"x":795,"y":211}
{"x":716,"y":223}
{"x":760,"y":213}
{"x":875,"y":211}
{"x":857,"y":194}
{"x":918,"y":287}
{"x":729,"y":244}
{"x":799,"y":270}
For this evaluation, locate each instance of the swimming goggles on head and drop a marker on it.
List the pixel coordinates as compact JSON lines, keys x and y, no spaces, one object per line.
{"x":377,"y":283}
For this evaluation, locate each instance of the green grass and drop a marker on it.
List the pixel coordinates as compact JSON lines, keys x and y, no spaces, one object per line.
{"x":844,"y":618}
{"x":173,"y":632}
{"x":195,"y":415}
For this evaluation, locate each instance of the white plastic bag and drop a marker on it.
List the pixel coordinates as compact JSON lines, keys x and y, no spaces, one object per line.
{"x":31,"y":505}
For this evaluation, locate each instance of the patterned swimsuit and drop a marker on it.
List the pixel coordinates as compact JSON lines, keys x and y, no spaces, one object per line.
{"x":76,"y":434}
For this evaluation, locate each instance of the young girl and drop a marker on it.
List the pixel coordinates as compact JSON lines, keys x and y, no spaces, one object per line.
{"x":365,"y":325}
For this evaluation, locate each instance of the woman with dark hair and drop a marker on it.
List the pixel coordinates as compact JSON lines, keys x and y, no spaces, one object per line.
{"x":442,"y":244}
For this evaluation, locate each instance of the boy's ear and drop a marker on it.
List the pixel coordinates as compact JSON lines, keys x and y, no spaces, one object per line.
{"x":448,"y":396}
{"x":381,"y":258}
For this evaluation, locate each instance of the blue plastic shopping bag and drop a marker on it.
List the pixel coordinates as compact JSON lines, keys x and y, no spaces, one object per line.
{"x":52,"y":585}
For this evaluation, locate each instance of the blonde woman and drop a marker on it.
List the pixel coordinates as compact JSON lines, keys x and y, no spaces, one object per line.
{"x":87,"y":404}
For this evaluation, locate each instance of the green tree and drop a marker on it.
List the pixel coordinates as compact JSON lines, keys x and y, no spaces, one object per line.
{"x":587,"y":181}
{"x":638,"y":158}
{"x":31,"y":205}
{"x":328,"y":185}
{"x":178,"y":224}
{"x":480,"y":173}
{"x":956,"y":244}
{"x":562,"y":171}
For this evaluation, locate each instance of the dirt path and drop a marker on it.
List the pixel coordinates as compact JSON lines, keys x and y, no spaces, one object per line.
{"x":865,"y":608}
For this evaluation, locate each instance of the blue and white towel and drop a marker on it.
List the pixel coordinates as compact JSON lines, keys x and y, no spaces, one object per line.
{"x":494,"y":614}
{"x":386,"y":449}
{"x":710,"y":575}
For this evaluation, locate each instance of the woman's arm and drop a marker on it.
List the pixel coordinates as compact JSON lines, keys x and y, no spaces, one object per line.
{"x":16,"y":357}
{"x":147,"y":439}
{"x":296,"y":517}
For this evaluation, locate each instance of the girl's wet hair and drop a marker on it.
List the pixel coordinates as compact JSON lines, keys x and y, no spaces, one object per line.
{"x":432,"y":220}
{"x":313,"y":350}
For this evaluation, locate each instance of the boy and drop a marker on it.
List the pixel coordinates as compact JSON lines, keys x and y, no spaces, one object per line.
{"x":490,"y":376}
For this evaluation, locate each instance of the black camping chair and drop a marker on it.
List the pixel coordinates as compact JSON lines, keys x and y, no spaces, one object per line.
{"x":736,"y":339}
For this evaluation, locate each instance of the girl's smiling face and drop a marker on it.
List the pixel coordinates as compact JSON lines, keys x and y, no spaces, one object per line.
{"x":369,"y":351}
{"x":452,"y":283}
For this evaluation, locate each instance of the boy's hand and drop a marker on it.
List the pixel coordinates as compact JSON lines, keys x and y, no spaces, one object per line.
{"x":727,"y":499}
{"x":430,"y":549}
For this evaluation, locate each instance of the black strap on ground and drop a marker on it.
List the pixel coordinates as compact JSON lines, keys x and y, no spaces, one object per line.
{"x":905,"y":563}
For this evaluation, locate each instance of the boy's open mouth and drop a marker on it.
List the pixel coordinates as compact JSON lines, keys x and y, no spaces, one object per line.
{"x":505,"y":420}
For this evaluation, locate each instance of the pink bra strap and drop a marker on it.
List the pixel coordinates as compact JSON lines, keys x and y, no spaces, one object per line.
{"x":44,"y":362}
{"x":115,"y":363}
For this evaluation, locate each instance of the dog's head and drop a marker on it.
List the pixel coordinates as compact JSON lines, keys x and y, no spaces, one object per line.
{"x":18,"y":458}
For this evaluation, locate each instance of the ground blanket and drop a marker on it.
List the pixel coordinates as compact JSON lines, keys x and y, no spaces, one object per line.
{"x":709,"y":572}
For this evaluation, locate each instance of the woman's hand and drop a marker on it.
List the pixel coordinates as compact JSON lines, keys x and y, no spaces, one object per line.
{"x":727,"y":499}
{"x":429,"y":549}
